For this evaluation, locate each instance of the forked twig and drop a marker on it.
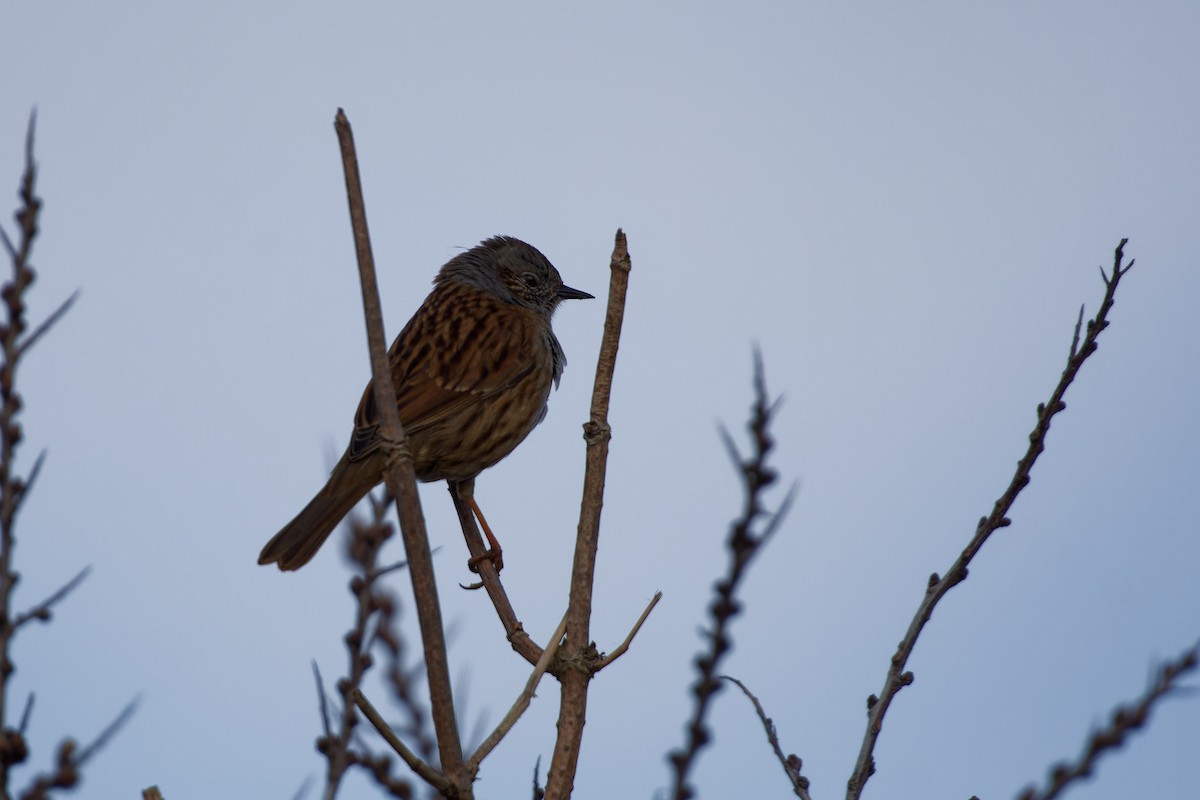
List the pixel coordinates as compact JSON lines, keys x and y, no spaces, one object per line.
{"x":937,"y":587}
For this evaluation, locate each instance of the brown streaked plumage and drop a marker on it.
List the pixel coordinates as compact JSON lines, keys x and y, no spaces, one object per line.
{"x":472,"y":370}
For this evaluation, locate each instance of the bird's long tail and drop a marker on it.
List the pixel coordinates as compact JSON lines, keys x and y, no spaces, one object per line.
{"x":298,"y":541}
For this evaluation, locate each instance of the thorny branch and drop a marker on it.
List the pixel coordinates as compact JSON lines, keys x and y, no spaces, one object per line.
{"x":743,"y":544}
{"x":938,"y":586}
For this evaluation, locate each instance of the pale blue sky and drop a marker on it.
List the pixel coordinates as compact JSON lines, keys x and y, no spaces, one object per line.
{"x":903,"y":204}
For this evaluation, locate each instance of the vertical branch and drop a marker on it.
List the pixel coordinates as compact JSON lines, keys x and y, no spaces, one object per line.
{"x":401,"y":482}
{"x":13,"y":297}
{"x":578,"y":652}
{"x":743,"y":544}
{"x":13,"y":491}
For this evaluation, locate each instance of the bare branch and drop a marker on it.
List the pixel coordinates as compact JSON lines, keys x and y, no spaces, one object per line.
{"x":522,"y":702}
{"x":579,"y":652}
{"x":743,"y":544}
{"x":1126,"y":719}
{"x":401,"y":482}
{"x":637,"y":626}
{"x":937,"y":587}
{"x":428,"y":773}
{"x":791,"y":763}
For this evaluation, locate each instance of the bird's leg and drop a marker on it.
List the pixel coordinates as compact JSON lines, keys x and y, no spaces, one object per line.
{"x":494,"y":553}
{"x":465,"y":492}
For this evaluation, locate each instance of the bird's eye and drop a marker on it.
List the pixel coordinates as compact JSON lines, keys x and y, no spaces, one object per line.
{"x":530,"y":279}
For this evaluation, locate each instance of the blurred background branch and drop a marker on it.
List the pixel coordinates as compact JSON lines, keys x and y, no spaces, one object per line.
{"x":1126,"y":720}
{"x":13,"y":491}
{"x":746,"y":539}
{"x":375,"y":625}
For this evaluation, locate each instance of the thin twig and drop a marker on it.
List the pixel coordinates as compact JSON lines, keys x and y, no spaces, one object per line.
{"x":938,"y":586}
{"x":791,"y":763}
{"x":1126,"y":719}
{"x":428,"y":773}
{"x":401,"y":482}
{"x":522,"y":702}
{"x":301,"y":790}
{"x":322,"y":701}
{"x":48,"y":323}
{"x":71,"y":758}
{"x":578,"y":650}
{"x":41,"y":612}
{"x":538,"y":792}
{"x":108,"y":733}
{"x":637,"y":626}
{"x":26,"y":486}
{"x":26,"y":714}
{"x":743,"y":544}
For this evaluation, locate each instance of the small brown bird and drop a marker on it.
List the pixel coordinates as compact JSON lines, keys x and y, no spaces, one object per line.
{"x":472,"y":371}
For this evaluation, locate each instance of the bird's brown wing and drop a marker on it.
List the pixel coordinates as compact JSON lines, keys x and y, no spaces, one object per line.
{"x":461,"y":345}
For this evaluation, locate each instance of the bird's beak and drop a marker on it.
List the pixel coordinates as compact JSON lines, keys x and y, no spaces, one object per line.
{"x":567,"y":293}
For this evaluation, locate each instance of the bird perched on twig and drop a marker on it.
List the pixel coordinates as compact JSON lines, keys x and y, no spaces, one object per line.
{"x":472,"y":371}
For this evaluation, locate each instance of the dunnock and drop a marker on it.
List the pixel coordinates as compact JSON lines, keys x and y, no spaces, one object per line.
{"x":472,"y":371}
